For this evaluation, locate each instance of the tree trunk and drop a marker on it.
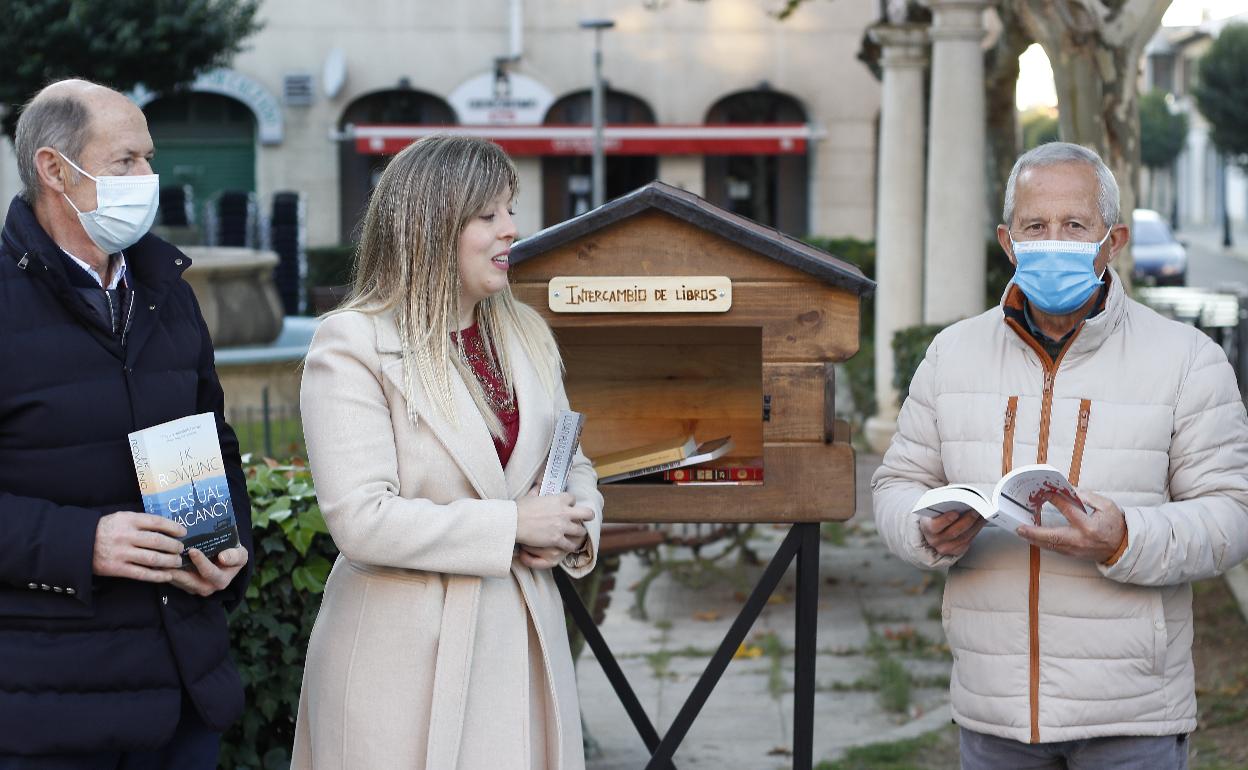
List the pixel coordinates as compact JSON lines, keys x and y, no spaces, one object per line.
{"x":1097,"y":106}
{"x":1001,"y":83}
{"x":1094,"y":47}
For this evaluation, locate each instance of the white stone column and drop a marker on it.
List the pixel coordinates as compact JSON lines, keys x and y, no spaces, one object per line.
{"x":10,"y":182}
{"x":899,"y":211}
{"x":953,"y":279}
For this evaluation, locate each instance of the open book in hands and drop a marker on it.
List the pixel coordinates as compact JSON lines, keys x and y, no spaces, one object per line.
{"x":1015,"y":499}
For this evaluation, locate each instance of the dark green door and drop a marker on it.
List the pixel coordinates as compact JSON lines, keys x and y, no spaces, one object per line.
{"x":206,"y":141}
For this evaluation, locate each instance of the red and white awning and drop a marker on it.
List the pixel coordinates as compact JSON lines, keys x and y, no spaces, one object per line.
{"x":729,"y":139}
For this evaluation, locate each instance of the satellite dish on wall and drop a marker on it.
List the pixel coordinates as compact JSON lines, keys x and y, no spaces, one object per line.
{"x":335,"y":74}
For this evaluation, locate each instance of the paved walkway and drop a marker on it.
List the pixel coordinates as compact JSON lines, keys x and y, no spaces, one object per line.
{"x":1210,"y":239}
{"x":1205,"y":243}
{"x":865,"y":594}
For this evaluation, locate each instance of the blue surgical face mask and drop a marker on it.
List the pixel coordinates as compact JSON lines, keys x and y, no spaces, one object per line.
{"x":1057,"y":276}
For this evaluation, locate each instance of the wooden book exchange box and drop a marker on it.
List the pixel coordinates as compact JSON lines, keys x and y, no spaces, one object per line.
{"x":676,"y":317}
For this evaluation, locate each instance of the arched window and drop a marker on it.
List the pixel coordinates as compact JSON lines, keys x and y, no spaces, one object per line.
{"x":205,"y":142}
{"x":770,"y":189}
{"x":566,"y":179}
{"x":358,"y":173}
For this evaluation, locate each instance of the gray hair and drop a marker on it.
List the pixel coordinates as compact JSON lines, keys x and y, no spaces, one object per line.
{"x":62,"y":122}
{"x":1056,"y":153}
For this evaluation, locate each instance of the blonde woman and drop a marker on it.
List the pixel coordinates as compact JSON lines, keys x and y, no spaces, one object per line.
{"x":428,"y":405}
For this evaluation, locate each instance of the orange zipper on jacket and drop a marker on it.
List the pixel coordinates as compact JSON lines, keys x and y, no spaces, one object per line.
{"x":1007,"y":442}
{"x":1042,"y":455}
{"x":1081,"y":437}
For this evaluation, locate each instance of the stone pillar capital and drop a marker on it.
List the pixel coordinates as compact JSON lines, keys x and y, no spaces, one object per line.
{"x":958,"y":5}
{"x":958,"y":19}
{"x":902,"y":45}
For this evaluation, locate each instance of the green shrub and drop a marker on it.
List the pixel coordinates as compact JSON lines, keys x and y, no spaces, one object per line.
{"x":998,"y":273}
{"x":860,"y":373}
{"x":909,"y":347}
{"x":330,"y":265}
{"x":269,"y":630}
{"x":859,"y":370}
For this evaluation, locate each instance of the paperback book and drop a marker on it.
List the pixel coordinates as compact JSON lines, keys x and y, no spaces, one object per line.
{"x":563,"y":444}
{"x":1015,"y":499}
{"x":182,"y":478}
{"x":703,"y":453}
{"x":637,"y":458}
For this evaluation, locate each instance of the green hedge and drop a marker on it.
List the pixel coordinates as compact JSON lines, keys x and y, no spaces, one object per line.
{"x":910,"y":344}
{"x":859,"y":370}
{"x":909,"y":347}
{"x":330,"y":265}
{"x":270,"y":629}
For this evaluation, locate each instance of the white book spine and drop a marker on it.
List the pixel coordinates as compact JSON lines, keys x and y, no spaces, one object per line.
{"x":142,"y":465}
{"x":562,"y":449}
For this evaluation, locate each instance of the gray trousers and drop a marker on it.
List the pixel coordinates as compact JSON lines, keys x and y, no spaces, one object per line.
{"x":988,"y":752}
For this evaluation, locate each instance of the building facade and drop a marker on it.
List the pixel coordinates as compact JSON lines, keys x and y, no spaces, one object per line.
{"x":1203,"y":184}
{"x":775,"y":119}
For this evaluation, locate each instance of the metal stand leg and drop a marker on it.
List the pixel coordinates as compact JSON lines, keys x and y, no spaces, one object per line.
{"x":802,"y":544}
{"x":610,"y":666}
{"x":804,"y":648}
{"x":727,"y":648}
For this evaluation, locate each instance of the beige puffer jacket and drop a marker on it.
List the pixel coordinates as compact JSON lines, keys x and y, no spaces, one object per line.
{"x":1137,"y":407}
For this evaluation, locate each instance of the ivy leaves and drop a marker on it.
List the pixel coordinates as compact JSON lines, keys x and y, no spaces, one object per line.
{"x":270,"y":629}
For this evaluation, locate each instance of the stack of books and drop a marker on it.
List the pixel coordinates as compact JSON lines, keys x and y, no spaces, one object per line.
{"x":672,"y":462}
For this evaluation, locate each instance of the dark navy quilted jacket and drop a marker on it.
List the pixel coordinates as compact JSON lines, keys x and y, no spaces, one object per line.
{"x":89,"y":663}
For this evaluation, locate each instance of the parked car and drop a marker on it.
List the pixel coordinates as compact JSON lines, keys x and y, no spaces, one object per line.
{"x":1160,"y":259}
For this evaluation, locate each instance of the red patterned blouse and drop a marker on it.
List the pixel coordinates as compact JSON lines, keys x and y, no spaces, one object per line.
{"x":495,"y":388}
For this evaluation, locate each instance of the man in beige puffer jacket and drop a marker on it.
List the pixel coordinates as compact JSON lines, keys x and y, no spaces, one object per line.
{"x":1072,"y":645}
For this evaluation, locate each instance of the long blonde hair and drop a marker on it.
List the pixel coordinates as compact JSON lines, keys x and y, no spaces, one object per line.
{"x":407,"y":263}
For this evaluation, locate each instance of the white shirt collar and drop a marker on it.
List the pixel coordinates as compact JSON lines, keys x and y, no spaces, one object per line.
{"x":119,"y":269}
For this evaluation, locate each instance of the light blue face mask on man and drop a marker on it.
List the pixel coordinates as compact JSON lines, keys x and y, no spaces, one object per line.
{"x":1057,"y":276}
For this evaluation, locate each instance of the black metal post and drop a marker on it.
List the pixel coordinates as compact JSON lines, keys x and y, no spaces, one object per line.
{"x":800,"y":544}
{"x":268,"y":427}
{"x":727,"y":648}
{"x":610,"y":666}
{"x":1226,"y":205}
{"x":805,"y":635}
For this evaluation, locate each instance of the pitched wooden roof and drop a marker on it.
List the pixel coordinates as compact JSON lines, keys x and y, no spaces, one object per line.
{"x":684,"y":205}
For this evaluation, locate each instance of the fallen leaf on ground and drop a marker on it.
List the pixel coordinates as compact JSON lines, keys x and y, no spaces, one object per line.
{"x":921,"y":586}
{"x":747,"y":650}
{"x":780,"y":751}
{"x":706,"y":616}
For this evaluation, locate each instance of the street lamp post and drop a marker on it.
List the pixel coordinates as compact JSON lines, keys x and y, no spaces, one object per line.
{"x":598,"y":172}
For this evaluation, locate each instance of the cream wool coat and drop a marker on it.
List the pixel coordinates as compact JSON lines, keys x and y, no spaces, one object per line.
{"x":430,"y":631}
{"x":1143,"y":410}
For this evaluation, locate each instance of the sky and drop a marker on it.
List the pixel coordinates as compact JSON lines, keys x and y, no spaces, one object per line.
{"x":1035,"y":78}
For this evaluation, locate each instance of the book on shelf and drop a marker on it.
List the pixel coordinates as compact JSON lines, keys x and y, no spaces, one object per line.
{"x":739,"y":474}
{"x":1015,"y":499}
{"x":182,"y":478}
{"x":563,"y":443}
{"x":627,"y":460}
{"x":703,"y":453}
